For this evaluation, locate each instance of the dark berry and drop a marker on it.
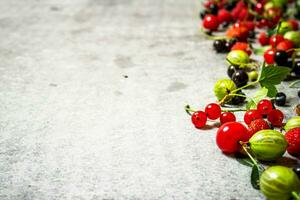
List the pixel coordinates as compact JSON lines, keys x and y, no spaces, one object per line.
{"x":219,"y":45}
{"x":236,"y":100}
{"x":229,"y":44}
{"x":213,"y":9}
{"x":230,"y":5}
{"x":231,"y":69}
{"x":296,"y":169}
{"x":252,"y":34}
{"x":299,"y":93}
{"x":280,"y":99}
{"x":281,"y":58}
{"x":240,"y":78}
{"x":296,"y":69}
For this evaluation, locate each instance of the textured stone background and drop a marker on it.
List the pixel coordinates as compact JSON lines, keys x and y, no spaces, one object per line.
{"x":91,"y":103}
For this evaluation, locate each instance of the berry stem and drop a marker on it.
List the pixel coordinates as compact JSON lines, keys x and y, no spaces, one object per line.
{"x":295,"y":195}
{"x":188,"y":110}
{"x":294,"y":83}
{"x":244,"y":146}
{"x":245,"y":86}
{"x":213,"y":37}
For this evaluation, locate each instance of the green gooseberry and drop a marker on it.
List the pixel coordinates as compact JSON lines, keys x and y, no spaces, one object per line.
{"x":253,"y":75}
{"x":278,"y":183}
{"x":284,"y":27}
{"x":268,"y":145}
{"x":223,"y":87}
{"x":294,"y":122}
{"x":279,"y":3}
{"x":294,"y":36}
{"x":238,"y":57}
{"x":269,"y":5}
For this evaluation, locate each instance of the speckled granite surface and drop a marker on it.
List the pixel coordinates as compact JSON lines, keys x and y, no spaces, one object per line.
{"x":91,"y":103}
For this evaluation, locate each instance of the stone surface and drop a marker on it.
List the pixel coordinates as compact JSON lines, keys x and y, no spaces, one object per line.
{"x":92,"y":95}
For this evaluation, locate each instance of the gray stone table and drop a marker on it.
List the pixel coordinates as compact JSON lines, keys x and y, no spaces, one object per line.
{"x":91,"y":103}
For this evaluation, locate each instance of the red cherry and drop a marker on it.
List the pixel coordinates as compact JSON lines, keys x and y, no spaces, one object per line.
{"x":275,"y":39}
{"x":263,"y":38}
{"x":251,"y":115}
{"x":224,"y":16}
{"x":210,"y":22}
{"x":275,"y":117}
{"x":227,"y":117}
{"x":264,"y":106}
{"x":269,"y":56}
{"x":229,"y":135}
{"x":213,"y":111}
{"x":199,"y":119}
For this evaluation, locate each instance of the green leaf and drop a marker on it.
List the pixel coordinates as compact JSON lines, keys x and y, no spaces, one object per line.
{"x":271,"y":76}
{"x":259,"y":95}
{"x":245,"y":161}
{"x":255,"y":177}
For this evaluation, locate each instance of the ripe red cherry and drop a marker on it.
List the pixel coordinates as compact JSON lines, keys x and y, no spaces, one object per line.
{"x":210,"y":22}
{"x":213,"y":111}
{"x":275,"y":39}
{"x":251,"y":115}
{"x":269,"y":56}
{"x":227,"y":117}
{"x":199,"y":119}
{"x":264,"y":106}
{"x":275,"y":117}
{"x":229,"y":135}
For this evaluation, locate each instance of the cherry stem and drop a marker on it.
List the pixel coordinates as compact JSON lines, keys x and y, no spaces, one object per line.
{"x":295,"y":195}
{"x":294,"y":83}
{"x":244,"y":146}
{"x":188,"y":110}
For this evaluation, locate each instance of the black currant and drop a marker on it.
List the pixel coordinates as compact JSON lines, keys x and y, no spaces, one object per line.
{"x":281,"y":58}
{"x":280,"y":99}
{"x":231,"y":69}
{"x":296,"y":69}
{"x":230,"y":5}
{"x":236,"y":100}
{"x":219,"y":45}
{"x":240,"y":78}
{"x":289,"y":64}
{"x":229,"y":44}
{"x":213,"y":9}
{"x":296,"y":169}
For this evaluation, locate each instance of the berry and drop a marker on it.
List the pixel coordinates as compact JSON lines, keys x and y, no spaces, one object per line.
{"x":285,"y":45}
{"x":219,"y":45}
{"x":252,"y":115}
{"x":240,"y":78}
{"x":269,"y":56}
{"x":257,"y":125}
{"x":238,"y":57}
{"x":253,"y":75}
{"x":224,"y":16}
{"x":275,"y":39}
{"x":213,"y":9}
{"x":299,"y":93}
{"x":231,"y":69}
{"x":275,"y":117}
{"x":223,"y":88}
{"x":296,"y":169}
{"x":296,"y":69}
{"x":280,"y":99}
{"x":210,"y":22}
{"x":264,"y":106}
{"x":293,"y":139}
{"x":213,"y":111}
{"x":199,"y":119}
{"x":236,"y":100}
{"x":263,"y":39}
{"x":293,"y":36}
{"x":244,"y":46}
{"x":281,"y":58}
{"x":294,"y":24}
{"x":227,"y":117}
{"x":229,"y":135}
{"x":229,"y":44}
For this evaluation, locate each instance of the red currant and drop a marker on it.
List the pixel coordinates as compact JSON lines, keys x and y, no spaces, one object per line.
{"x":275,"y":39}
{"x":224,"y":16}
{"x":264,"y":106}
{"x":199,"y":119}
{"x":252,"y":115}
{"x":263,"y":38}
{"x":210,"y":22}
{"x":213,"y":111}
{"x":229,"y":135}
{"x":227,"y":117}
{"x":275,"y":117}
{"x":269,"y":56}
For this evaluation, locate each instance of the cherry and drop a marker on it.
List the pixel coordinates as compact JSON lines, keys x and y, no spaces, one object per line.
{"x":210,"y":22}
{"x":263,"y":38}
{"x":199,"y":119}
{"x":251,"y":115}
{"x":213,"y":111}
{"x":269,"y":56}
{"x":275,"y":39}
{"x":275,"y":117}
{"x":227,"y":117}
{"x":229,"y":135}
{"x":264,"y":106}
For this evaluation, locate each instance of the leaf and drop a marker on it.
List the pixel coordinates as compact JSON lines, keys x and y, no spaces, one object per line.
{"x":245,"y":161}
{"x":259,"y":95}
{"x":255,"y":177}
{"x":271,"y":76}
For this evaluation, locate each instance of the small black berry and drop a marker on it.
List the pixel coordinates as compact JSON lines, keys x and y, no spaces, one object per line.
{"x":281,"y":58}
{"x":240,"y":78}
{"x":219,"y":45}
{"x":231,"y":69}
{"x":280,"y":99}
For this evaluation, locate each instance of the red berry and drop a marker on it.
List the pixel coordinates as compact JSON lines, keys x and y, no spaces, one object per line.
{"x":294,"y":24}
{"x":199,"y":119}
{"x":210,"y":22}
{"x":263,"y":38}
{"x":293,"y":139}
{"x":227,"y":117}
{"x":269,"y":56}
{"x":259,"y":8}
{"x":244,"y":46}
{"x":264,"y":106}
{"x":213,"y":111}
{"x":229,"y":135}
{"x":224,"y":16}
{"x":251,"y":115}
{"x":275,"y":39}
{"x":257,"y":125}
{"x":285,"y":45}
{"x":275,"y":117}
